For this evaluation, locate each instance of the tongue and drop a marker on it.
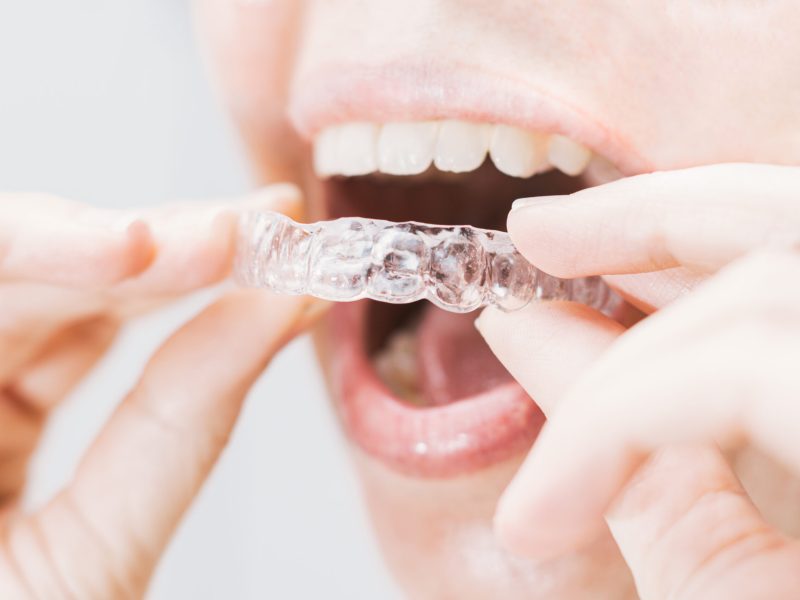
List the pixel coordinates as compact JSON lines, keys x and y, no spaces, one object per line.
{"x":453,"y":360}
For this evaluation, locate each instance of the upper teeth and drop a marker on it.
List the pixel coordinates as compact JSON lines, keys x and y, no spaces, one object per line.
{"x":410,"y":148}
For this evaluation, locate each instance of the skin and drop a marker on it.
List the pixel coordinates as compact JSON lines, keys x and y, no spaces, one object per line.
{"x":679,"y":84}
{"x":682,"y":83}
{"x":69,"y":276}
{"x":727,"y":381}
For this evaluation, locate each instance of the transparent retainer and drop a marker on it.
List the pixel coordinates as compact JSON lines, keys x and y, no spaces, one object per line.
{"x":458,"y":268}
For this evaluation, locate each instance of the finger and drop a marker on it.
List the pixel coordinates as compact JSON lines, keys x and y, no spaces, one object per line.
{"x":684,"y":514}
{"x":17,"y":347}
{"x":31,"y":314}
{"x":165,"y":250}
{"x":195,"y":241}
{"x":686,"y":374}
{"x":20,"y":427}
{"x":68,"y":358}
{"x":24,"y":402}
{"x":193,"y":246}
{"x":651,"y":291}
{"x":52,"y":240}
{"x":687,"y":529}
{"x":109,"y":526}
{"x":773,"y":488}
{"x":546,"y":344}
{"x":701,"y":218}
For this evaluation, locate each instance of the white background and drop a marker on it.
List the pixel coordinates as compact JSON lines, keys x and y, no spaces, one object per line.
{"x":106,"y":101}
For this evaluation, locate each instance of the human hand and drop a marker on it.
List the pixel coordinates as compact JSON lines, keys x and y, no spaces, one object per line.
{"x":637,"y":418}
{"x":66,"y":265}
{"x":67,"y":279}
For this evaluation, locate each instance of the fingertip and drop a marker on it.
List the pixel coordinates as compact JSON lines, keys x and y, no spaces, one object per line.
{"x":212,"y":256}
{"x":557,"y":501}
{"x":193,"y":245}
{"x":107,"y":255}
{"x":522,"y":520}
{"x":142,"y":247}
{"x":512,"y":526}
{"x":547,"y":344}
{"x":509,"y":532}
{"x":542,"y":523}
{"x":285,"y":198}
{"x":212,"y":252}
{"x":538,"y":229}
{"x":526,"y":527}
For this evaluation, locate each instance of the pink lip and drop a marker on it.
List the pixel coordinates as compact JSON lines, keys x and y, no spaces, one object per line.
{"x":408,"y":90}
{"x":437,"y":441}
{"x":465,"y":436}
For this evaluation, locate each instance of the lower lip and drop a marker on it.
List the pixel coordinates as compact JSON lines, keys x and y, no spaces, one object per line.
{"x":433,"y":442}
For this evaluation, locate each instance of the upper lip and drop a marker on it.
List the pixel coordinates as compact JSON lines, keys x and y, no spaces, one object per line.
{"x":410,"y":90}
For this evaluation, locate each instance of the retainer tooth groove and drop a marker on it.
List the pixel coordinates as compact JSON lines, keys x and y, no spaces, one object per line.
{"x":457,"y":268}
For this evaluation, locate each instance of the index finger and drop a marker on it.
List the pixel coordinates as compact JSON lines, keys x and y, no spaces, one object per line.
{"x":160,"y":251}
{"x":52,"y":240}
{"x":195,"y":242}
{"x":658,"y":387}
{"x":701,"y":218}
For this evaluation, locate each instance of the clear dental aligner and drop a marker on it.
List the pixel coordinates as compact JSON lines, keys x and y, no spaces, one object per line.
{"x":458,"y":268}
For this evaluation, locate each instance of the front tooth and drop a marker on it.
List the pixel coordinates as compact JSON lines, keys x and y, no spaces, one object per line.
{"x":347,"y":149}
{"x":357,"y":143}
{"x":601,"y":171}
{"x":568,"y":156}
{"x":517,"y":152}
{"x":326,"y":152}
{"x":461,"y":146}
{"x":406,"y":148}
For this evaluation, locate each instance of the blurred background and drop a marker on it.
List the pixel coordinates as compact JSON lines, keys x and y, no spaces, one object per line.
{"x":107,"y":101}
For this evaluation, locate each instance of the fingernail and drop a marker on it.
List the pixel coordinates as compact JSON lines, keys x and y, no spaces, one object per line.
{"x":141,"y":236}
{"x":534,"y":201}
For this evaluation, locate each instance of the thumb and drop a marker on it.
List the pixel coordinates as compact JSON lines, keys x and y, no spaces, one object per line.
{"x":104,"y":533}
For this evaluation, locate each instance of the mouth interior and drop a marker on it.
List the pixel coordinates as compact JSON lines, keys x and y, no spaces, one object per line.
{"x":426,"y":356}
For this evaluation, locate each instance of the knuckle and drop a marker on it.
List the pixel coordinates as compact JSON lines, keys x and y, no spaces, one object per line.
{"x":733,"y":538}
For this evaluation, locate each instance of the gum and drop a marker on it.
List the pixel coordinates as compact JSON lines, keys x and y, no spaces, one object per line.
{"x":458,"y":268}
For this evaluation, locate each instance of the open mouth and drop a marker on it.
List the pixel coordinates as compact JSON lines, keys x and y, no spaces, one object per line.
{"x":417,"y":387}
